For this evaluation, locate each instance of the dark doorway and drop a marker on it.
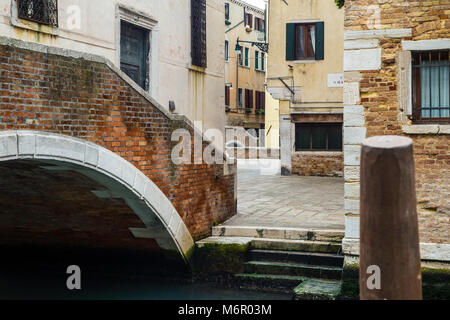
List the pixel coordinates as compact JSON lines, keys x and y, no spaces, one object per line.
{"x":134,"y":49}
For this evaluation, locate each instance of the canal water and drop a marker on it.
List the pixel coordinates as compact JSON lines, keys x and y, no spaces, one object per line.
{"x":101,"y":278}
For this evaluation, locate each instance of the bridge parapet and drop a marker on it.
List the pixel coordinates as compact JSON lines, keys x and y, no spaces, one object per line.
{"x":46,"y":92}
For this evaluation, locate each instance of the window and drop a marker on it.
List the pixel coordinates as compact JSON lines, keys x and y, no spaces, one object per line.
{"x":305,"y":41}
{"x":227,"y":11}
{"x":430,"y":86}
{"x":318,"y":136}
{"x":259,"y":24}
{"x":198,"y":33}
{"x":260,"y":100}
{"x":134,"y":50}
{"x":248,"y":99}
{"x":256,"y":59}
{"x":40,"y":11}
{"x":249,"y":20}
{"x":240,"y":98}
{"x":227,"y":95}
{"x":263,"y":61}
{"x":226,"y":50}
{"x":246,"y":56}
{"x":241,"y":56}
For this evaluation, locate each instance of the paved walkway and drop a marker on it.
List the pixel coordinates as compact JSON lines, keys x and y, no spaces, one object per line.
{"x":294,"y":201}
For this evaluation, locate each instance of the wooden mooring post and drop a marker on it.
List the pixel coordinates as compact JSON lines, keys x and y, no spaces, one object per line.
{"x":389,"y":236}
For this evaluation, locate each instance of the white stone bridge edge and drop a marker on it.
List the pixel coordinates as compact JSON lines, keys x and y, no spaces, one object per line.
{"x":23,"y":144}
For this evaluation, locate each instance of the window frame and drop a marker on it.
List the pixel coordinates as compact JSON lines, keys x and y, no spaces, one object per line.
{"x":416,"y":88}
{"x":318,"y":124}
{"x":256,"y":60}
{"x":227,"y":96}
{"x":246,"y":57}
{"x":240,"y":98}
{"x":227,"y":11}
{"x":306,"y":30}
{"x":263,"y":65}
{"x":227,"y":53}
{"x":50,"y":23}
{"x":249,"y":20}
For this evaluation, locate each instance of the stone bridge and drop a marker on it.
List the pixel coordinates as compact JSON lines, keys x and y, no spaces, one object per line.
{"x":85,"y":159}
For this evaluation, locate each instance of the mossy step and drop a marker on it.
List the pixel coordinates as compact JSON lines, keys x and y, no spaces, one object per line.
{"x":293,"y":269}
{"x":296,"y":245}
{"x":311,"y":258}
{"x":275,"y":281}
{"x":317,"y":289}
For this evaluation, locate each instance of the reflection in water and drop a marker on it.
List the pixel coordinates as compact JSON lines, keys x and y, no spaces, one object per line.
{"x":45,"y":278}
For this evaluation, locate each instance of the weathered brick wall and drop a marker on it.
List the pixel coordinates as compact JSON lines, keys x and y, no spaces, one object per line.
{"x":254,"y":153}
{"x":87,"y":100}
{"x":377,"y":92}
{"x":329,"y":164}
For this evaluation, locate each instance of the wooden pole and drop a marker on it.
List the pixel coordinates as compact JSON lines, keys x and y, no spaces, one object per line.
{"x":389,"y":237}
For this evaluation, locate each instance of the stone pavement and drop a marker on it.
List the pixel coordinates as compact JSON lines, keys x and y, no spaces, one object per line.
{"x":289,"y":202}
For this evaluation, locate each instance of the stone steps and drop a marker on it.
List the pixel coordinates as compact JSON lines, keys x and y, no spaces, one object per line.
{"x":296,"y":245}
{"x":272,"y":282}
{"x":325,"y":259}
{"x":318,"y":289}
{"x":292,"y":269}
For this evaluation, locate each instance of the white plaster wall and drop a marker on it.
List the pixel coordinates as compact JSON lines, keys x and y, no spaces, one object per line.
{"x":97,"y":35}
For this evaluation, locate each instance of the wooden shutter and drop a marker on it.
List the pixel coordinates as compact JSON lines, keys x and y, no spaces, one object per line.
{"x":251,"y":98}
{"x":246,"y":98}
{"x":250,"y":20}
{"x":290,"y":41}
{"x":257,"y":100}
{"x":320,"y":35}
{"x":227,"y":95}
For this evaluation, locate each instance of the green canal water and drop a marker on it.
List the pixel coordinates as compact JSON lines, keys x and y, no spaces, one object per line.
{"x":43,"y":285}
{"x":42,"y":274}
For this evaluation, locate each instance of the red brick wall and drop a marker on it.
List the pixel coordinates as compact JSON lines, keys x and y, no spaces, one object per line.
{"x":380,"y":92}
{"x":329,"y":164}
{"x":88,"y":100}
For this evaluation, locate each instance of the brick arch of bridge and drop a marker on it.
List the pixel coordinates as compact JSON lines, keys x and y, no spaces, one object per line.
{"x":34,"y":145}
{"x":52,"y":90}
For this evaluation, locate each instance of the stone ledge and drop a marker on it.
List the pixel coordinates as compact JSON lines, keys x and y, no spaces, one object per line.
{"x":434,"y":44}
{"x":383,"y":33}
{"x":360,"y":44}
{"x":428,"y":251}
{"x":426,"y":129}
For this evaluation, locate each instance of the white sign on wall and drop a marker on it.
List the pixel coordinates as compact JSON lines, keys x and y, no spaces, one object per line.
{"x":335,"y":80}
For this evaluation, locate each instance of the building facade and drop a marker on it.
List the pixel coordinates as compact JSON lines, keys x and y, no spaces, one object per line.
{"x":162,"y":45}
{"x":396,"y":65}
{"x":245,"y":65}
{"x":304,"y":74}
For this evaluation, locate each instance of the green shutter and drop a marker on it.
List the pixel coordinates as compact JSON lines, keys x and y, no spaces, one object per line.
{"x":256,"y":60}
{"x":320,"y":32}
{"x":290,"y":41}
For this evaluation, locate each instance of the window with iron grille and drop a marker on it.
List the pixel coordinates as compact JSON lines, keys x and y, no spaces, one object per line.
{"x":198,"y":33}
{"x":40,"y":11}
{"x":431,"y":86}
{"x":318,"y":136}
